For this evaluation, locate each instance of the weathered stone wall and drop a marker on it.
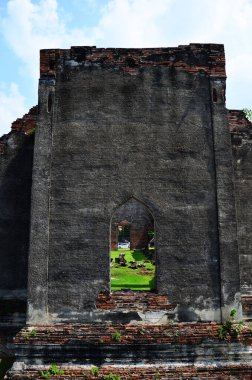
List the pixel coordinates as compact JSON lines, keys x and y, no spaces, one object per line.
{"x":160,"y":115}
{"x":241,"y":134}
{"x":114,"y":125}
{"x":16,"y":157}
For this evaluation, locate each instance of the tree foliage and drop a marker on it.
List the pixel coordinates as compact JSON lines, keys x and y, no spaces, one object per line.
{"x":248,"y":113}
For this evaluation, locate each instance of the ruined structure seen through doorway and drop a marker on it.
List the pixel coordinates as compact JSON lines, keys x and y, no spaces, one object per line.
{"x":132,"y":260}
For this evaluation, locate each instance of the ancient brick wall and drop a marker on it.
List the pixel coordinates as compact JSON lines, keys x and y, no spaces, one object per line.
{"x":171,"y":351}
{"x":241,"y":135}
{"x":27,"y":123}
{"x":16,"y":157}
{"x":160,"y":115}
{"x":115,"y":125}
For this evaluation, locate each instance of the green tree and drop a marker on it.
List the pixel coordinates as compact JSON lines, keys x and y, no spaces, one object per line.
{"x":248,"y":113}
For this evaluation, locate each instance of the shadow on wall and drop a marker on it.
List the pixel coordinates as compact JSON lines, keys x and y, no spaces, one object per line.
{"x":5,"y":365}
{"x":15,"y":202}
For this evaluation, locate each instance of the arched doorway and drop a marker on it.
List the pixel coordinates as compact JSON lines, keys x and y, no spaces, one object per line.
{"x":132,"y":248}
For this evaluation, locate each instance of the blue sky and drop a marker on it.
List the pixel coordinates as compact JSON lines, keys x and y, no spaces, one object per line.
{"x":29,"y":25}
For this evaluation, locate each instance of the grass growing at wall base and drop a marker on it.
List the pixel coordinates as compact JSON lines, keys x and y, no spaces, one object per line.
{"x":134,"y":279}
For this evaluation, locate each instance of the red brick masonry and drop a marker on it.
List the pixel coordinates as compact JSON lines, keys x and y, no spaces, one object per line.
{"x":145,"y":373}
{"x":101,"y":333}
{"x":247,"y":306}
{"x":193,"y":58}
{"x":26,"y":125}
{"x":27,"y":122}
{"x":129,"y":300}
{"x":237,"y":121}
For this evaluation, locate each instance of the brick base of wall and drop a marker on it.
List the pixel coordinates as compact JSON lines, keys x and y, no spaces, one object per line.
{"x":171,"y":351}
{"x":141,"y":373}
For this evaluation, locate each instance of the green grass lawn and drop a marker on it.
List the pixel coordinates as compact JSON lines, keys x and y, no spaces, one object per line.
{"x":128,"y":278}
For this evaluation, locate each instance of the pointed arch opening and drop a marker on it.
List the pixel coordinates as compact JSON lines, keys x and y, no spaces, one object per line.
{"x":132,"y":248}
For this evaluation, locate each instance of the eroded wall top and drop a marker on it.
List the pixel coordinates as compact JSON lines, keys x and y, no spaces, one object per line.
{"x":192,"y":58}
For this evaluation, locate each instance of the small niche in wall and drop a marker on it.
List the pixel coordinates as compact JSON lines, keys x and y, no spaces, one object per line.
{"x":215,"y":95}
{"x":49,"y":103}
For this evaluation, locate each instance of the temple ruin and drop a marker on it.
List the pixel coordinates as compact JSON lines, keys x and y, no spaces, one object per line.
{"x":138,"y":137}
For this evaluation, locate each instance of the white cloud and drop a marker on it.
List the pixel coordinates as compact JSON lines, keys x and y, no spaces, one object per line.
{"x":27,"y":28}
{"x":141,"y":23}
{"x":30,"y":27}
{"x":132,"y":23}
{"x":12,"y":106}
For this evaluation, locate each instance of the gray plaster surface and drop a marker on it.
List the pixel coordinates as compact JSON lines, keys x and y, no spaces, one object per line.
{"x":110,"y":136}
